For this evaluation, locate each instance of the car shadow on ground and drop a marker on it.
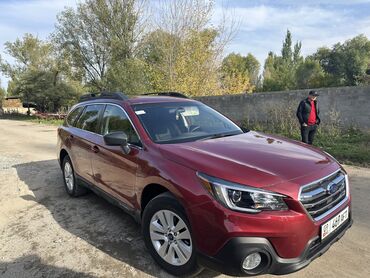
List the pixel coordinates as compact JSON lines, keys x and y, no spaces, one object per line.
{"x":33,"y":264}
{"x":89,"y":217}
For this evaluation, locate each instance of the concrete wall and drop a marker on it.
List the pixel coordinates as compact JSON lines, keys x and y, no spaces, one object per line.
{"x":347,"y":106}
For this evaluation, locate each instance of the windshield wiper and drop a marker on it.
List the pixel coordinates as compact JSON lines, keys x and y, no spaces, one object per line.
{"x":218,"y":135}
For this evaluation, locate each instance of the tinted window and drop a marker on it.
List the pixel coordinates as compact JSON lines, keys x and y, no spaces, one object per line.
{"x":71,"y":119}
{"x":89,"y":118}
{"x":114,"y":119}
{"x":183,"y":122}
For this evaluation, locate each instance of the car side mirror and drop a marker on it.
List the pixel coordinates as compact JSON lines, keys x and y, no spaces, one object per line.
{"x":244,"y":129}
{"x":117,"y":138}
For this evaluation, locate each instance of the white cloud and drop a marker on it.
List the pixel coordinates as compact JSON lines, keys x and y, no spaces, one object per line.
{"x":263,"y":27}
{"x":328,"y":2}
{"x":267,"y":17}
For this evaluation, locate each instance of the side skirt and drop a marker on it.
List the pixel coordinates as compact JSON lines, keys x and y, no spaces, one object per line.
{"x":114,"y":201}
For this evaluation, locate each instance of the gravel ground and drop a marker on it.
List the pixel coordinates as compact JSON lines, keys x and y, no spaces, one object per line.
{"x":45,"y":233}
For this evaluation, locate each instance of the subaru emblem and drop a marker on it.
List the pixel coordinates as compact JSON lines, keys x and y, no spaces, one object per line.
{"x":332,"y":188}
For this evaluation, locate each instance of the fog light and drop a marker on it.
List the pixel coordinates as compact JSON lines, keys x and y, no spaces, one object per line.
{"x":252,"y":261}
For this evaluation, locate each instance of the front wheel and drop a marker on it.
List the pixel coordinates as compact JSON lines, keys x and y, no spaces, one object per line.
{"x":167,"y":236}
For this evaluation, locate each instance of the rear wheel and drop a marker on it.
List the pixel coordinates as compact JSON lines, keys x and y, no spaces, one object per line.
{"x":70,"y":183}
{"x":168,"y":237}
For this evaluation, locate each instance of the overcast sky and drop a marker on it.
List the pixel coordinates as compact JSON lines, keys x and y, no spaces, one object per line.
{"x":262,"y":23}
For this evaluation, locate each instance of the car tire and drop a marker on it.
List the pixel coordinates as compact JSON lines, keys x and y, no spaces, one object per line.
{"x":173,"y":249}
{"x":69,"y":178}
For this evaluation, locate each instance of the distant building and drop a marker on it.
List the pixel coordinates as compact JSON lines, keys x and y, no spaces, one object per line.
{"x":13,"y":105}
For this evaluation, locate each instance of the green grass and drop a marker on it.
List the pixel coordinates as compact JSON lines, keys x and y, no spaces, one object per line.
{"x":349,"y":147}
{"x":33,"y":119}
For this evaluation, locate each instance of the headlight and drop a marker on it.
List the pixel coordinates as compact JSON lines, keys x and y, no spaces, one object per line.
{"x":240,"y":197}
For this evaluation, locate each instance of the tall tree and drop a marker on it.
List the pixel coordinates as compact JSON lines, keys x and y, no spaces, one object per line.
{"x":286,"y":51}
{"x":196,"y":71}
{"x":253,"y":67}
{"x":280,"y":71}
{"x":157,"y":52}
{"x":188,"y":50}
{"x":2,"y":95}
{"x":100,"y":35}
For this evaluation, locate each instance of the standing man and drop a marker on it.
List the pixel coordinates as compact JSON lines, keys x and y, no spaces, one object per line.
{"x":308,"y":116}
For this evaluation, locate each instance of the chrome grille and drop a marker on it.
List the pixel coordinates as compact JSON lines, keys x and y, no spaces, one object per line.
{"x":321,"y":197}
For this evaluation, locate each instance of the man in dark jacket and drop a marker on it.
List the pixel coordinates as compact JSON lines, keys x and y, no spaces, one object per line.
{"x":308,"y":116}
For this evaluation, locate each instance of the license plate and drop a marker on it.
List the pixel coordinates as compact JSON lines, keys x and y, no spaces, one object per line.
{"x":334,"y":223}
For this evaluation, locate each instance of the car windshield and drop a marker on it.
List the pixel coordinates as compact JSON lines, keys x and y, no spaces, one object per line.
{"x":178,"y":122}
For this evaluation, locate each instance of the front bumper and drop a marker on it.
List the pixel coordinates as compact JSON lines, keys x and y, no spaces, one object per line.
{"x":229,"y":259}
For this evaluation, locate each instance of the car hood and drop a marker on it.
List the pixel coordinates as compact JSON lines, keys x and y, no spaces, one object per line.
{"x":252,"y":158}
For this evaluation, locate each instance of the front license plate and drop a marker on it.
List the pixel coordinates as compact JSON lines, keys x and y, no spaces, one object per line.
{"x":334,"y":223}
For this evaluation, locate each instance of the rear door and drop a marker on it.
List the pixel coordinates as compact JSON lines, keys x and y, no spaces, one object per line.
{"x":115,"y":171}
{"x":83,"y":140}
{"x":67,"y":131}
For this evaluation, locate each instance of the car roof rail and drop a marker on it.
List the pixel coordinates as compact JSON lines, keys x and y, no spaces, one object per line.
{"x":167,"y":94}
{"x":103,"y":95}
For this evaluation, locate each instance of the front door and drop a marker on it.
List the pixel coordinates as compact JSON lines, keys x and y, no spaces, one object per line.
{"x":115,"y":171}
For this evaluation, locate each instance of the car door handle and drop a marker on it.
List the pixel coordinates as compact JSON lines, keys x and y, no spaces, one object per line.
{"x":95,"y":149}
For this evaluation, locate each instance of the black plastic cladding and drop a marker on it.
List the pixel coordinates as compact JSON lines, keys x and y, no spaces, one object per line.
{"x":122,"y":96}
{"x":168,"y":94}
{"x":103,"y":95}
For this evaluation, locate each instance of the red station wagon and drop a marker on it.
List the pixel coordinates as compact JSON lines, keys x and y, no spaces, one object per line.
{"x":206,"y":192}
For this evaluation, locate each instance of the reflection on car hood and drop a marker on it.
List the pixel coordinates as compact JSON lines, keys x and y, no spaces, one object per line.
{"x":252,"y":158}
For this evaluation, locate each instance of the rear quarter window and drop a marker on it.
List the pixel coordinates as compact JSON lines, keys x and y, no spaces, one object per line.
{"x":73,"y":115}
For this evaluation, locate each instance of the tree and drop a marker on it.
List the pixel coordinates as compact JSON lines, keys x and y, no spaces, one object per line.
{"x":2,"y":95}
{"x":28,"y":53}
{"x":184,"y":52}
{"x":309,"y":74}
{"x":157,"y":53}
{"x":253,"y":67}
{"x":195,"y":68}
{"x":189,"y":68}
{"x":100,"y":35}
{"x":280,"y":71}
{"x":41,"y":88}
{"x":345,"y":64}
{"x":37,"y":74}
{"x":239,"y":73}
{"x":286,"y":51}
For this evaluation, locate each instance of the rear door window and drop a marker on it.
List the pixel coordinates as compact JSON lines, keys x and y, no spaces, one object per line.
{"x":90,"y":118}
{"x":72,"y":117}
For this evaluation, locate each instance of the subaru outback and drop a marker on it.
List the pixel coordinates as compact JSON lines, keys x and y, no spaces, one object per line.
{"x":206,"y":192}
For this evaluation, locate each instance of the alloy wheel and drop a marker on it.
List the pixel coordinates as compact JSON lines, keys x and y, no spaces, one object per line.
{"x":170,"y":237}
{"x":68,"y":176}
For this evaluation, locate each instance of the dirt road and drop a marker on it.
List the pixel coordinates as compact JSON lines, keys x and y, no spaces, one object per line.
{"x":45,"y":233}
